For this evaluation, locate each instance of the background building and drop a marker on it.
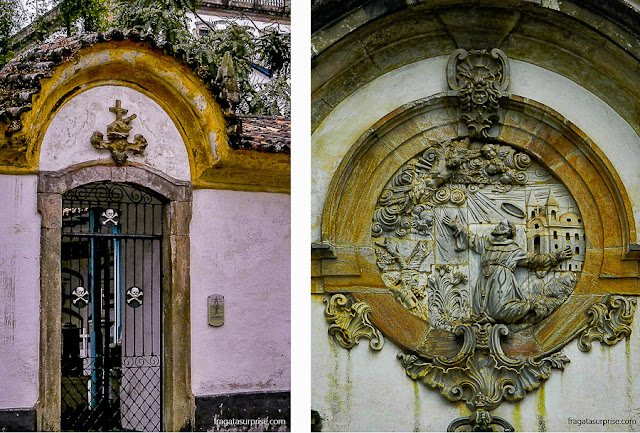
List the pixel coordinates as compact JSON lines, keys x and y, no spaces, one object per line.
{"x":261,"y":16}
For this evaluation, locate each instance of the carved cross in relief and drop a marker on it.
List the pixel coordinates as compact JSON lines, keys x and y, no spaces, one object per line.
{"x":117,"y":135}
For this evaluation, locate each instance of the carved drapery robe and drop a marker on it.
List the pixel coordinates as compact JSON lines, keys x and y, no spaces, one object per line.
{"x":496,"y":292}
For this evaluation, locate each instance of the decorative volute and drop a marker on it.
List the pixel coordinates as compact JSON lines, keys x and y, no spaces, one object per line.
{"x":479,"y":79}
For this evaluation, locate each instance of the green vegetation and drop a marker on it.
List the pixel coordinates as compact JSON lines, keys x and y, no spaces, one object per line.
{"x":267,"y":50}
{"x":92,"y":14}
{"x":10,"y":18}
{"x":271,"y":50}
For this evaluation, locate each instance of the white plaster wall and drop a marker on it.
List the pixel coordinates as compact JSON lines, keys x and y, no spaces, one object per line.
{"x":341,"y":128}
{"x":365,"y":390}
{"x":19,"y":291}
{"x":67,"y":140}
{"x":240,"y":248}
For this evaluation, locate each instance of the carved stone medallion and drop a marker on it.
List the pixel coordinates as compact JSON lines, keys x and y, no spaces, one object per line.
{"x":481,"y":241}
{"x":475,"y":244}
{"x":470,"y":232}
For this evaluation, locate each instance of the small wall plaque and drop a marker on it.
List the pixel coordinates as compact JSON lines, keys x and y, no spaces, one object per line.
{"x":216,"y":310}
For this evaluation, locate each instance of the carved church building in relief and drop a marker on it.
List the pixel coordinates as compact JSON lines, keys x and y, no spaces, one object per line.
{"x":552,"y":229}
{"x":475,"y":216}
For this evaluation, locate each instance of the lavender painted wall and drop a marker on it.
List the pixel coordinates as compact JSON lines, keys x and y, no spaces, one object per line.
{"x":19,"y":291}
{"x":240,"y":248}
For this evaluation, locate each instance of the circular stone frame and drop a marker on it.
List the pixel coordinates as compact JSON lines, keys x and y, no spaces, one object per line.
{"x":611,"y":260}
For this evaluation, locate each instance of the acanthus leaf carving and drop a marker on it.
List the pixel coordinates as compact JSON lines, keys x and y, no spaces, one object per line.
{"x":610,"y":321}
{"x":350,"y":322}
{"x":449,"y":297}
{"x":481,"y":374}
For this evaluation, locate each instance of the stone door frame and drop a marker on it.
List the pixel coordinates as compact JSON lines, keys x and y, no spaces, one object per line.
{"x":178,"y":400}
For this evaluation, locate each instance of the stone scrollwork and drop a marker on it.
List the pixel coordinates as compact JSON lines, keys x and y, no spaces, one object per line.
{"x":481,"y":243}
{"x":350,"y":321}
{"x":479,"y":240}
{"x":480,"y":78}
{"x":610,"y":321}
{"x":481,"y":374}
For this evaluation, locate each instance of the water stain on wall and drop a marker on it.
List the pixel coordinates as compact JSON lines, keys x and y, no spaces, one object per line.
{"x":517,"y":417}
{"x":416,"y":406}
{"x":542,"y":411}
{"x":7,"y":304}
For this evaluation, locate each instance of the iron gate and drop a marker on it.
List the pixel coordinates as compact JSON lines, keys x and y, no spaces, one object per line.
{"x":111,"y":309}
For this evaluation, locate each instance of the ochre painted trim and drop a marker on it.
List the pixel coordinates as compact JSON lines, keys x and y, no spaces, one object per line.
{"x":17,"y":170}
{"x":280,"y":188}
{"x":249,"y":170}
{"x":182,"y":95}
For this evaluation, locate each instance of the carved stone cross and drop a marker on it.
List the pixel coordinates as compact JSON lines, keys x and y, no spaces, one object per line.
{"x":117,"y":136}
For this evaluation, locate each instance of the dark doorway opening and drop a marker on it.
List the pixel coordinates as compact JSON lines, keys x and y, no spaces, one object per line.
{"x":112,"y":342}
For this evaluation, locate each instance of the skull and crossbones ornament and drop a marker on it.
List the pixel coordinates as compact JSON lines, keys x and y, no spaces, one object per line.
{"x":81,"y":297}
{"x":134,"y":297}
{"x":109,"y":216}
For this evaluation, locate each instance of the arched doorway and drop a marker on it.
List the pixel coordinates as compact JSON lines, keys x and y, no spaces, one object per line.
{"x":130,"y":371}
{"x":111,"y":271}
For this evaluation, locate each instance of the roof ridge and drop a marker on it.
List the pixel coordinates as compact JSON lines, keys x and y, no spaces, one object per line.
{"x":20,"y":81}
{"x":20,"y":77}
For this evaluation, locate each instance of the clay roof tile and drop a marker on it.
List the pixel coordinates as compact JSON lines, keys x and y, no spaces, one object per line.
{"x":20,"y":81}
